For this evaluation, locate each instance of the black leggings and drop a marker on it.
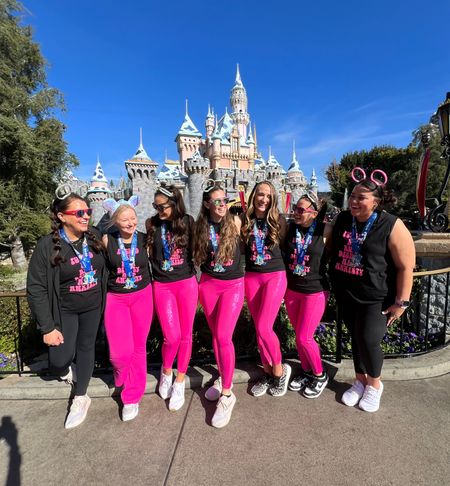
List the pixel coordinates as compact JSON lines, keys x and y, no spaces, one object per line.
{"x":80,"y":332}
{"x":367,"y":326}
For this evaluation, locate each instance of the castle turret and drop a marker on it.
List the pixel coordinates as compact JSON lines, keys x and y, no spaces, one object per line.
{"x":98,"y":191}
{"x":238,"y":103}
{"x":296,"y":181}
{"x":209,"y":124}
{"x":142,"y":170}
{"x":197,"y":169}
{"x":188,"y":138}
{"x":314,"y":185}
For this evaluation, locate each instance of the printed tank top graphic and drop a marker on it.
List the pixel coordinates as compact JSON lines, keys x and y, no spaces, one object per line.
{"x":176,"y":254}
{"x":293,"y":256}
{"x":211,"y":260}
{"x":345,"y":258}
{"x":83,"y":281}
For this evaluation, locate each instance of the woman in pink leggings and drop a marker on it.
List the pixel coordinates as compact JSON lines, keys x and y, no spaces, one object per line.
{"x":307,"y":292}
{"x":175,"y":288}
{"x":217,"y":252}
{"x":129,"y":303}
{"x":263,"y":231}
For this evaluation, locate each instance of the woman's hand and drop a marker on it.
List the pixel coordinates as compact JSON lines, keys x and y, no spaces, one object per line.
{"x":393,"y":312}
{"x":54,"y":338}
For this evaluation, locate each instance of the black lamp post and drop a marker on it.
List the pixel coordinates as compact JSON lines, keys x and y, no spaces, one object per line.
{"x":437,"y":219}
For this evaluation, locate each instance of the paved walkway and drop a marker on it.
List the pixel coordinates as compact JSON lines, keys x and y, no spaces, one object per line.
{"x":269,"y":441}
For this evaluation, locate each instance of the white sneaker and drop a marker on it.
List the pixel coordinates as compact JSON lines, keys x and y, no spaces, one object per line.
{"x":353,"y":395}
{"x":78,"y":411}
{"x":71,"y":377}
{"x":130,"y":411}
{"x":165,"y":385}
{"x":223,"y":411}
{"x":370,"y":402}
{"x":177,"y":397}
{"x":213,"y":392}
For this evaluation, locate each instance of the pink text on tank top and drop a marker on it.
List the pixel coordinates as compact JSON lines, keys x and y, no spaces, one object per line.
{"x":121,"y":270}
{"x":255,"y":252}
{"x":79,"y":287}
{"x":344,"y":263}
{"x":213,"y":262}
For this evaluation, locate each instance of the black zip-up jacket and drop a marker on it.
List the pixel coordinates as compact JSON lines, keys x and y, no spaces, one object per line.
{"x":43,"y":285}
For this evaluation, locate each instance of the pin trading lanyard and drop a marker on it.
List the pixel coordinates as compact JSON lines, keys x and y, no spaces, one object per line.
{"x":302,"y":246}
{"x":128,"y":261}
{"x":167,"y":249}
{"x":213,"y":237}
{"x":358,"y":240}
{"x":260,"y":242}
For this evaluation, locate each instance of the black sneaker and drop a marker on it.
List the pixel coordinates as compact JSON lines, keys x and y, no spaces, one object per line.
{"x":300,"y":381}
{"x":315,"y":386}
{"x":280,"y":384}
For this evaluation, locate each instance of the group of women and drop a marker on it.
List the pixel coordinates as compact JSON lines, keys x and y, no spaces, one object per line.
{"x":75,"y":274}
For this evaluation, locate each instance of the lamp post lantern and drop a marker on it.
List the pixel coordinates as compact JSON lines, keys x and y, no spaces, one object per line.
{"x":437,"y":220}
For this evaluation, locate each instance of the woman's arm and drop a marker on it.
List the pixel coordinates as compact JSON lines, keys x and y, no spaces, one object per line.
{"x":401,"y":246}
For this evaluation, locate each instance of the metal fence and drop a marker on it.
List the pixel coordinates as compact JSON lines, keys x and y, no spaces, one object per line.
{"x":424,"y":324}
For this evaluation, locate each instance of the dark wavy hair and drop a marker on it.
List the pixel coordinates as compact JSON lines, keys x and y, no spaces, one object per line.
{"x":384,"y":196}
{"x":179,"y":226}
{"x":59,"y":206}
{"x":273,"y":216}
{"x":228,"y":233}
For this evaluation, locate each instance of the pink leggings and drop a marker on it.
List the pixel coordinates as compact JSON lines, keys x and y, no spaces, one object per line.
{"x":127,"y":321}
{"x":175,"y":304}
{"x":305,"y":312}
{"x":264,"y":293}
{"x":222,"y":302}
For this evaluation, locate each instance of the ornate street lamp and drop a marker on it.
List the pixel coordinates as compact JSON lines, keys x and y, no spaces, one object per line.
{"x":437,"y":220}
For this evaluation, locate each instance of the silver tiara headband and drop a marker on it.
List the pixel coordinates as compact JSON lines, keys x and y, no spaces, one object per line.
{"x":62,"y":191}
{"x":165,"y":191}
{"x":210,"y":184}
{"x":312,"y":197}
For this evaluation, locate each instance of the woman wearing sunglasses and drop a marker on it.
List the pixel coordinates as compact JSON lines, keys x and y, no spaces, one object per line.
{"x":129,"y":302}
{"x":307,"y":291}
{"x":175,"y":288}
{"x":217,"y":252}
{"x":263,"y":231}
{"x":65,"y":291}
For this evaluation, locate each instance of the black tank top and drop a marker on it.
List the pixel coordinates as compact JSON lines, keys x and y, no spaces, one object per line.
{"x":181,"y":258}
{"x":117,"y":275}
{"x":315,"y":279}
{"x":273,"y":257}
{"x":374,"y":281}
{"x":234,"y":268}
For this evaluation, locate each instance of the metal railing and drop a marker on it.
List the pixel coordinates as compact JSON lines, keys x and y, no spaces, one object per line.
{"x":419,"y":318}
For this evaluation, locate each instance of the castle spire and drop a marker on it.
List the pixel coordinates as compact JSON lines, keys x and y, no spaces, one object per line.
{"x":238,"y":76}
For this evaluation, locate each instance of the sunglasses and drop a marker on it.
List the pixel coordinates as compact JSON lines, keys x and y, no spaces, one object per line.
{"x":79,"y":213}
{"x":160,"y":207}
{"x":303,"y":210}
{"x":220,"y":202}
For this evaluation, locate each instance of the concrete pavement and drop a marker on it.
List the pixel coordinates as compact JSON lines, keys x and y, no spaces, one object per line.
{"x":269,"y":441}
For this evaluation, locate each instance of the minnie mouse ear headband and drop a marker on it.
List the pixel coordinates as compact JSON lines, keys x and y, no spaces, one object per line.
{"x":111,"y":206}
{"x":359,"y":175}
{"x":210,"y":184}
{"x":312,"y":198}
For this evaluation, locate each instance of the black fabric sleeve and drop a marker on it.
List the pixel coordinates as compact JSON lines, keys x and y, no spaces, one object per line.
{"x":37,"y":288}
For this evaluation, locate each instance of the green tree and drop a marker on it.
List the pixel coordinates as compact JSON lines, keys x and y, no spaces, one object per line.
{"x":401,"y":165}
{"x":33,"y":153}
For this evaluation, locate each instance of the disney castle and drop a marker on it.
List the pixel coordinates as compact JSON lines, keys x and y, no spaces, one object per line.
{"x":227,"y":153}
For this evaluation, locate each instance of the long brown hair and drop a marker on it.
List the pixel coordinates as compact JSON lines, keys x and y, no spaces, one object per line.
{"x":227,"y":229}
{"x":179,"y":226}
{"x":273,"y":216}
{"x":59,"y":206}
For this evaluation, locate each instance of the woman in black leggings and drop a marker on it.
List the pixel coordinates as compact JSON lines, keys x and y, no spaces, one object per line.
{"x":372,"y":262}
{"x":65,"y":293}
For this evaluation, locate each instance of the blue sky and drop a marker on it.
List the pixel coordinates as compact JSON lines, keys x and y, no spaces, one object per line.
{"x":334,"y":76}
